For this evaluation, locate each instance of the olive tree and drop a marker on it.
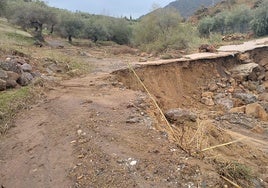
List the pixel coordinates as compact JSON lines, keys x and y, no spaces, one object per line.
{"x":32,"y":14}
{"x":157,"y":27}
{"x":205,"y":26}
{"x":259,"y":23}
{"x":108,"y":29}
{"x":71,"y":25}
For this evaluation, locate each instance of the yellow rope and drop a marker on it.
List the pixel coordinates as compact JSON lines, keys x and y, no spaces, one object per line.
{"x":225,"y":144}
{"x":156,"y":105}
{"x":231,"y":182}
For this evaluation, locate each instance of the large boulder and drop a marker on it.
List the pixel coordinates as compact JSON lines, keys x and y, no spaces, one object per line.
{"x":244,"y":70}
{"x":11,"y":66}
{"x":257,"y":111}
{"x":11,"y":84}
{"x":3,"y":85}
{"x":26,"y":67}
{"x":180,"y":115}
{"x":12,"y":79}
{"x":12,"y":75}
{"x":25,"y":79}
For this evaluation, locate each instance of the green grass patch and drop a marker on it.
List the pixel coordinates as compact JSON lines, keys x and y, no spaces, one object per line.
{"x":21,"y":39}
{"x":11,"y":101}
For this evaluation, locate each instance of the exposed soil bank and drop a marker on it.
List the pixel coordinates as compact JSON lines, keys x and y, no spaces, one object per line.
{"x":181,"y":83}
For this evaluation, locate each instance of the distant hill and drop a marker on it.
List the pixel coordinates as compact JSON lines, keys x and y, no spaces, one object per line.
{"x":188,"y":7}
{"x":221,"y":6}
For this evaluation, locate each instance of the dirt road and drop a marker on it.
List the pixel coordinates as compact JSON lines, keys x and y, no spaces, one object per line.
{"x":78,"y":137}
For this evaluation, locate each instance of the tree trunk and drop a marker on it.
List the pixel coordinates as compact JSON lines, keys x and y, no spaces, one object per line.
{"x":52,"y":29}
{"x":70,"y":38}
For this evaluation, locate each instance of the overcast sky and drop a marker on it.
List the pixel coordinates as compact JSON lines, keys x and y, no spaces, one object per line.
{"x":116,"y":8}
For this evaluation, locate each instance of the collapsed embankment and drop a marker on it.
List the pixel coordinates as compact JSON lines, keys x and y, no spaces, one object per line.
{"x":181,"y":83}
{"x":214,"y":100}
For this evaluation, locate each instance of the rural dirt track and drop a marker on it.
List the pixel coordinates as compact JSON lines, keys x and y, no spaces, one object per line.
{"x":78,"y":137}
{"x":44,"y":148}
{"x":47,"y":149}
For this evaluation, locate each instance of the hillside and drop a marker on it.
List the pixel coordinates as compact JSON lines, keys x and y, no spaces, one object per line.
{"x":189,"y":7}
{"x":221,"y":6}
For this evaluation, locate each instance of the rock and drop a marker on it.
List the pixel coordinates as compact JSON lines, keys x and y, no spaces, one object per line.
{"x":132,"y":120}
{"x":36,"y":74}
{"x":25,"y":79}
{"x":263,"y":97}
{"x":225,"y":102}
{"x":265,"y":84}
{"x":12,"y":75}
{"x":207,"y":94}
{"x":207,"y":98}
{"x":133,"y":163}
{"x":79,"y":132}
{"x":239,"y":119}
{"x":257,"y":111}
{"x":231,"y":89}
{"x":238,"y":110}
{"x":213,"y":87}
{"x":232,"y":82}
{"x":207,"y":101}
{"x":3,"y":74}
{"x":260,"y":88}
{"x":207,"y":48}
{"x":221,"y":85}
{"x":55,"y":68}
{"x":3,"y":85}
{"x":26,"y":67}
{"x":257,"y":74}
{"x":252,"y":86}
{"x":11,"y":83}
{"x":264,"y":105}
{"x":179,"y":115}
{"x":10,"y":66}
{"x":142,"y":60}
{"x":247,"y":98}
{"x":245,"y":58}
{"x":243,"y":70}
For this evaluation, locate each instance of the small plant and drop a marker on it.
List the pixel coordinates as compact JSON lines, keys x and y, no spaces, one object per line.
{"x":237,"y":172}
{"x":166,"y":56}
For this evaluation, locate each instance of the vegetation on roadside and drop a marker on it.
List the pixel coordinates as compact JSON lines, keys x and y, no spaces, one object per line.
{"x":159,"y":31}
{"x":11,"y":102}
{"x":239,"y":19}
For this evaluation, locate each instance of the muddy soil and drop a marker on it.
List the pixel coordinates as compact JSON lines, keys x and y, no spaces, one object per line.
{"x":102,"y":130}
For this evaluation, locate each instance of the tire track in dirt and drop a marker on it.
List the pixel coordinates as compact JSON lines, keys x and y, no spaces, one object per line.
{"x":37,"y":151}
